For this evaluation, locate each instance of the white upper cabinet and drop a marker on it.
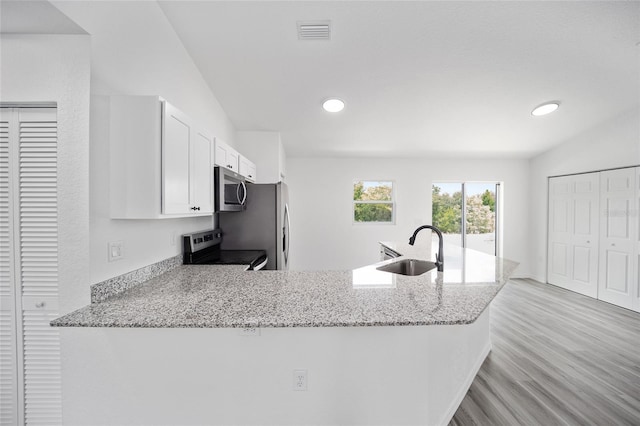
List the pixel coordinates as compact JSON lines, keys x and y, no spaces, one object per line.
{"x":265,"y":148}
{"x":226,"y":156}
{"x":160,"y":161}
{"x":231,"y":159}
{"x":247,"y":169}
{"x":202,"y":172}
{"x":176,"y":167}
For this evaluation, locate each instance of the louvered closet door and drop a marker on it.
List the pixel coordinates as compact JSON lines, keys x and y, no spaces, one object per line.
{"x":32,"y":248}
{"x":8,"y":330}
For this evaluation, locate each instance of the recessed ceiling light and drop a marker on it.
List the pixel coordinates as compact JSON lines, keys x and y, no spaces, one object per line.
{"x":545,"y":108}
{"x":333,"y":105}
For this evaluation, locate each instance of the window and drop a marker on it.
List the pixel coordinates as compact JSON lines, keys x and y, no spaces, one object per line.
{"x":468,"y":206}
{"x":373,"y":202}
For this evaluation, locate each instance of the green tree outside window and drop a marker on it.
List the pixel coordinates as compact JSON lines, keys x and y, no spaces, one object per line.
{"x":373,"y":201}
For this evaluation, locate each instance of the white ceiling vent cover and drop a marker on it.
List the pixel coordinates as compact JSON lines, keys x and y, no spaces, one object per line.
{"x":314,"y":30}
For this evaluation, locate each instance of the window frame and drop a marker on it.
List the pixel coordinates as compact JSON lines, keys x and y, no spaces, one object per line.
{"x":392,"y":202}
{"x":499,"y":188}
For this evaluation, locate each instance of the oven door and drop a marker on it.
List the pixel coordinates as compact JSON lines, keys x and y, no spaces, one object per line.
{"x":259,"y":263}
{"x":230,"y":191}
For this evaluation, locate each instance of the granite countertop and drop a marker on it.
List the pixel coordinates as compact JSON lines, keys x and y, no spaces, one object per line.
{"x":215,"y":296}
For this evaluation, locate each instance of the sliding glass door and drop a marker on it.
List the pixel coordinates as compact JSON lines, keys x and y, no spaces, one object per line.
{"x":466,"y":213}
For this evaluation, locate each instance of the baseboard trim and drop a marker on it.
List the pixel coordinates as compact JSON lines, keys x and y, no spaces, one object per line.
{"x":455,"y":404}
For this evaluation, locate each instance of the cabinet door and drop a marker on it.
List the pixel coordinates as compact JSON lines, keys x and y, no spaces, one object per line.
{"x":247,"y":169}
{"x":573,"y":233}
{"x":221,"y":154}
{"x":232,"y":159}
{"x":175,"y":161}
{"x":226,"y":156}
{"x":202,"y":173}
{"x":618,"y":237}
{"x":252,"y":175}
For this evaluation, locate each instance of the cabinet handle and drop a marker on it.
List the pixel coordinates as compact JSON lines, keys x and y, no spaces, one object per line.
{"x":195,"y":208}
{"x":41,"y":304}
{"x":250,"y":176}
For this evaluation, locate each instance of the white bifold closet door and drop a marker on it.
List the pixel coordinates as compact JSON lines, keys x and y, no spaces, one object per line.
{"x":618,"y":282}
{"x":636,"y":298}
{"x":573,"y":233}
{"x":30,"y":374}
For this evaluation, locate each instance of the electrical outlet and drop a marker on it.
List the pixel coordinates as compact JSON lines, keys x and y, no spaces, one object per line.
{"x":173,"y":238}
{"x":115,"y":250}
{"x":249,"y":331}
{"x":299,"y":380}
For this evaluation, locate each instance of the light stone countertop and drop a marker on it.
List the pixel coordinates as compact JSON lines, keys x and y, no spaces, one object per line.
{"x":214,"y":296}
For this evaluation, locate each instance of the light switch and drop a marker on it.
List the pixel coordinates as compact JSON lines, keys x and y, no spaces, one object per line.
{"x":115,"y":250}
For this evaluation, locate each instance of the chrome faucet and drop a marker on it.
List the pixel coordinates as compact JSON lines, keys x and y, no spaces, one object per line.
{"x":440,"y":254}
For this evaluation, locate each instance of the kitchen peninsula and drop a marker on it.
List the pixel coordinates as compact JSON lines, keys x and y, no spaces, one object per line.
{"x":219,"y":345}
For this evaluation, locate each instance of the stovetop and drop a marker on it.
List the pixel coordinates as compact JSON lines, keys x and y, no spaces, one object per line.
{"x":226,"y":257}
{"x":203,"y":248}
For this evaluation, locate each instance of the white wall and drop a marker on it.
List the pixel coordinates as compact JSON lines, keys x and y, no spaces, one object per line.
{"x":133,"y":59}
{"x":56,"y":68}
{"x":615,"y":143}
{"x":323,"y":235}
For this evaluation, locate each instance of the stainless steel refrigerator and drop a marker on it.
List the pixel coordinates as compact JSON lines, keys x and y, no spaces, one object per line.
{"x":264,"y":224}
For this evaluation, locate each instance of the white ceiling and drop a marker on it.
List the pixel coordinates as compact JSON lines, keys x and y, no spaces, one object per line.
{"x":422,"y":78}
{"x":418,"y":78}
{"x":34,"y":17}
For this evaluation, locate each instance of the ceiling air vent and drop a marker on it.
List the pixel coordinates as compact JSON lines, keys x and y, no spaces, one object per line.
{"x":314,"y":30}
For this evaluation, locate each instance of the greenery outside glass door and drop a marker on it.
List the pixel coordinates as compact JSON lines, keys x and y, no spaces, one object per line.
{"x":468,"y":206}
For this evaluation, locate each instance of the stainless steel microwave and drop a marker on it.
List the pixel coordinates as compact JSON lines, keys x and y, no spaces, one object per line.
{"x":230,"y":193}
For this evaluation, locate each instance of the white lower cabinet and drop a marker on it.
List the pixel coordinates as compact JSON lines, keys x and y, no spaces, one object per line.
{"x":160,"y":161}
{"x":594,"y":235}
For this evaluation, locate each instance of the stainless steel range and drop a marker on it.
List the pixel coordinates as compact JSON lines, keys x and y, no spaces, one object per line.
{"x":203,"y":248}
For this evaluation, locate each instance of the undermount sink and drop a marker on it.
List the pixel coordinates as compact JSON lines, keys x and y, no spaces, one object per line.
{"x":410,"y":267}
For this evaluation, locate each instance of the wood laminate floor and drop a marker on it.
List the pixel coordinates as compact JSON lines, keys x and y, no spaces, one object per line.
{"x":558,"y":358}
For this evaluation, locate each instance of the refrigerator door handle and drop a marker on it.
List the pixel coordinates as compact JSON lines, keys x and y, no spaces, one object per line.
{"x":285,"y":235}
